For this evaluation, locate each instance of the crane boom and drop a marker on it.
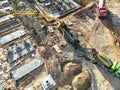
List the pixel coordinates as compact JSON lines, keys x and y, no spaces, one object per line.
{"x":71,"y":38}
{"x":39,"y":15}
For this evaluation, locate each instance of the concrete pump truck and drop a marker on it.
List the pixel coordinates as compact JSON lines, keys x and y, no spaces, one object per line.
{"x":102,"y":9}
{"x":106,"y":63}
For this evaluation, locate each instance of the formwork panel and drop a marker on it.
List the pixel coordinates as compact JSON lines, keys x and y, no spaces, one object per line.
{"x":12,"y":36}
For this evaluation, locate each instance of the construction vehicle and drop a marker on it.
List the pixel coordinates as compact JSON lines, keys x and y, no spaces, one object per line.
{"x":106,"y":63}
{"x":116,"y":68}
{"x":70,"y":37}
{"x":102,"y":9}
{"x":102,"y":59}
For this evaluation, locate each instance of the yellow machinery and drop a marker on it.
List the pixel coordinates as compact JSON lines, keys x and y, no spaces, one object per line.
{"x":39,"y":15}
{"x":71,"y":38}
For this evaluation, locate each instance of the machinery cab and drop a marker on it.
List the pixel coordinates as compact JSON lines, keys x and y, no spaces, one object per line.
{"x":103,"y":12}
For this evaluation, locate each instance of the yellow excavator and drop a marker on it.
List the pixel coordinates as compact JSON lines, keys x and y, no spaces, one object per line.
{"x":70,"y":37}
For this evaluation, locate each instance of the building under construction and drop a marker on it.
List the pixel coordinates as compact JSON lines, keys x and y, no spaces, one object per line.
{"x":48,"y":44}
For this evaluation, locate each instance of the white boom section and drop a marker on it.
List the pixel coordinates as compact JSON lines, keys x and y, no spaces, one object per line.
{"x":101,"y":3}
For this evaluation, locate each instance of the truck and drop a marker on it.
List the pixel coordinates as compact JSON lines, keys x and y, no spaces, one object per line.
{"x":103,"y":12}
{"x":106,"y":63}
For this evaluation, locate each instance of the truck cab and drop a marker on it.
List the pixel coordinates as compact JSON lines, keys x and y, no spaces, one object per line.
{"x":103,"y":12}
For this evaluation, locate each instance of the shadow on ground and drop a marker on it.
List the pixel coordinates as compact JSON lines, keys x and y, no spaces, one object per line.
{"x":113,"y":80}
{"x":83,"y":55}
{"x":108,"y":23}
{"x":87,"y":12}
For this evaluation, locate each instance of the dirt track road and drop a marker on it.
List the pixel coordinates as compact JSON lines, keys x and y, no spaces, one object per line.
{"x":98,"y":34}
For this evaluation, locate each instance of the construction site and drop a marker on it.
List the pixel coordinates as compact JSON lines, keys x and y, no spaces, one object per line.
{"x":59,"y":45}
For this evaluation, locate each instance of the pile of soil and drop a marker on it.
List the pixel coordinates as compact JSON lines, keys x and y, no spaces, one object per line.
{"x":72,"y":68}
{"x":81,"y":81}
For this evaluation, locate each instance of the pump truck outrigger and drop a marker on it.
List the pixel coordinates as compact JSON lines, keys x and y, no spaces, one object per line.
{"x":103,"y":12}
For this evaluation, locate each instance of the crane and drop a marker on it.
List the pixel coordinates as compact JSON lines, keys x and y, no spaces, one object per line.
{"x":70,"y":37}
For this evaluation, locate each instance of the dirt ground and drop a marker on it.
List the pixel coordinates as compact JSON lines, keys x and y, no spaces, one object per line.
{"x":92,"y":33}
{"x":97,"y":34}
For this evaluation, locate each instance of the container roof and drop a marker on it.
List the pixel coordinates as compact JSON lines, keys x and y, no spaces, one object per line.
{"x":5,"y":18}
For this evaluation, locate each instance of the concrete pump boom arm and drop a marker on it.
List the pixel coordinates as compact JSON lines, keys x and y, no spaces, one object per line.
{"x":38,"y":15}
{"x":101,"y":3}
{"x":71,"y":38}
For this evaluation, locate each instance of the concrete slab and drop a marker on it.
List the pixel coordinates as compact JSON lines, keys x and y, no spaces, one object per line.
{"x":5,"y":18}
{"x":57,"y":13}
